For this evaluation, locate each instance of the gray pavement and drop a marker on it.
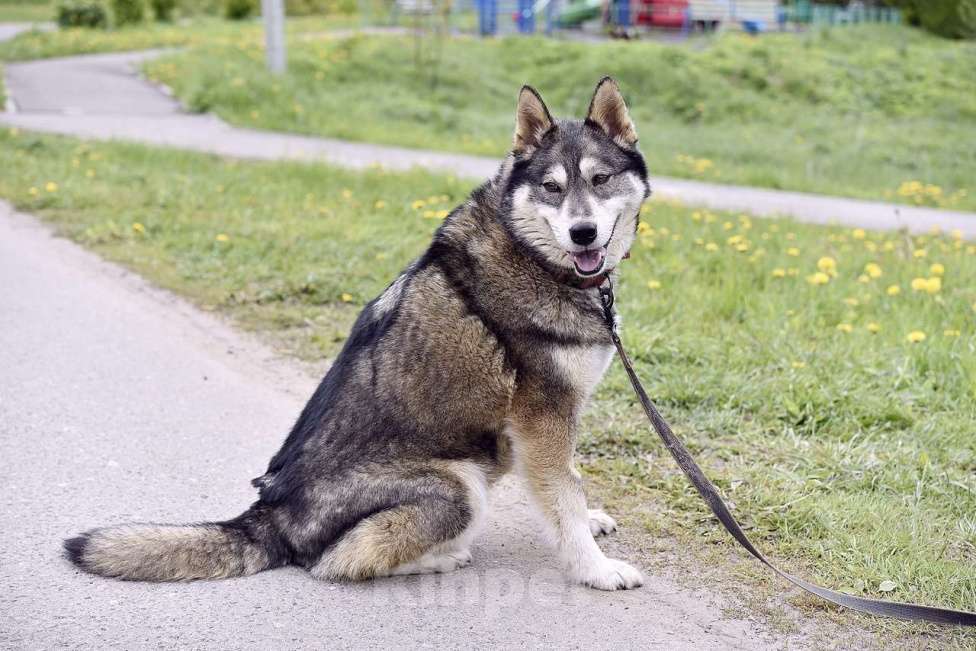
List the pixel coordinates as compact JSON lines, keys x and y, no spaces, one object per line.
{"x":55,"y":96}
{"x":120,"y":402}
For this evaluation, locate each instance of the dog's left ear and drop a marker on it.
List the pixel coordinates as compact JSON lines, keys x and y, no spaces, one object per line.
{"x":609,"y":112}
{"x":532,"y":121}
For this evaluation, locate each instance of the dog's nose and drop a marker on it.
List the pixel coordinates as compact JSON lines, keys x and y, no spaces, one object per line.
{"x":582,"y":233}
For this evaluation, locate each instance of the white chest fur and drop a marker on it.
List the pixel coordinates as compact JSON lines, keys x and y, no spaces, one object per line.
{"x":582,"y":366}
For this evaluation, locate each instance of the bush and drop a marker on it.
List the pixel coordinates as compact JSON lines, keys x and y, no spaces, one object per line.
{"x":951,"y":18}
{"x":128,"y":12}
{"x":79,"y":13}
{"x":163,"y":9}
{"x":239,"y":9}
{"x":321,"y":7}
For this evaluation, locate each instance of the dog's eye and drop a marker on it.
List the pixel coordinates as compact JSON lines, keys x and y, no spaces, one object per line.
{"x":600,"y":179}
{"x":552,"y":186}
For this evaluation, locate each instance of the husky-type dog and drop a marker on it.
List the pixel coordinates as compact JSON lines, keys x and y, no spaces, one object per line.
{"x":479,"y":358}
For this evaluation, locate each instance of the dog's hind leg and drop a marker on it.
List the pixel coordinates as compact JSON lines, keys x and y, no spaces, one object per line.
{"x":430,"y":530}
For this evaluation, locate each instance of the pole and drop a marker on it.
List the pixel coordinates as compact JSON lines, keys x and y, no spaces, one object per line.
{"x":274,"y":34}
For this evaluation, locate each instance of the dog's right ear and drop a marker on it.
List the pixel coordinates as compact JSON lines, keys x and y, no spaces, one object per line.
{"x":532,"y":121}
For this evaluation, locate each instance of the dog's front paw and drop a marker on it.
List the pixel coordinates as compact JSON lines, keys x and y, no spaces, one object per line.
{"x":600,"y":523}
{"x":611,"y":574}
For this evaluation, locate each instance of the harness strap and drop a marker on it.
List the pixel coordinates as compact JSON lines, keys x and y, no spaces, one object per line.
{"x":714,"y":500}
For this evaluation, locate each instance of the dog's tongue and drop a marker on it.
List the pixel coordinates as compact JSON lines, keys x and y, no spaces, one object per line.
{"x":588,"y":261}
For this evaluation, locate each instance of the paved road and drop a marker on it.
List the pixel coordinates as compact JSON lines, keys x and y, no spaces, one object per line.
{"x":119,"y":402}
{"x":54,"y":96}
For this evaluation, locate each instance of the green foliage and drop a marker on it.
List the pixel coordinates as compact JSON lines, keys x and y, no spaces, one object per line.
{"x":312,"y":7}
{"x":128,"y":12}
{"x":163,"y":9}
{"x":239,"y":9}
{"x":950,"y":18}
{"x":81,"y":13}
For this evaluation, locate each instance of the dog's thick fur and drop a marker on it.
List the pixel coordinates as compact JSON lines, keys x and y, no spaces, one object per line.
{"x":480,"y":357}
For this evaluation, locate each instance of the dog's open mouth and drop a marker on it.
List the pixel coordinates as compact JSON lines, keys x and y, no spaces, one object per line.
{"x":589,"y":262}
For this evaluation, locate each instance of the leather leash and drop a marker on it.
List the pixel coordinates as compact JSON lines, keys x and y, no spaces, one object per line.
{"x":714,"y":500}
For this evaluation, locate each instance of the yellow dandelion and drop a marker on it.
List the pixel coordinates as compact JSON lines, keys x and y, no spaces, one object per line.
{"x":870,"y":246}
{"x":711,"y":246}
{"x":920,"y":284}
{"x":951,"y":333}
{"x":863,"y":278}
{"x":430,"y":214}
{"x":51,"y":186}
{"x":643,"y":227}
{"x":441,"y":214}
{"x":793,"y":251}
{"x":799,"y":364}
{"x":920,"y":253}
{"x":222,"y":237}
{"x":827,"y":265}
{"x":845,"y":327}
{"x":893,"y":290}
{"x":779,"y":272}
{"x":873,"y":328}
{"x":873,"y":270}
{"x":32,"y":191}
{"x":956,"y":234}
{"x":346,"y":297}
{"x":916,"y":336}
{"x":346,"y":194}
{"x":138,"y":228}
{"x":937,"y":269}
{"x":418,"y":204}
{"x":819,"y":278}
{"x":728,"y":226}
{"x":933,"y":285}
{"x":380,"y":205}
{"x":654,"y":284}
{"x":858,"y":234}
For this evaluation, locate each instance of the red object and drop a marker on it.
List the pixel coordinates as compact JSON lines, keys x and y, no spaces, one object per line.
{"x":662,"y":13}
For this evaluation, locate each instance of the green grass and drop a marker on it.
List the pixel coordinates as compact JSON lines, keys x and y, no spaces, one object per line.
{"x":854,"y":112}
{"x":202,"y":30}
{"x":849,"y":456}
{"x":17,"y":11}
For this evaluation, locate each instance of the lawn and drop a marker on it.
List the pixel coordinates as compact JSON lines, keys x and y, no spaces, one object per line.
{"x":879,"y":112}
{"x":198,"y":30}
{"x":824,"y":377}
{"x":17,"y":11}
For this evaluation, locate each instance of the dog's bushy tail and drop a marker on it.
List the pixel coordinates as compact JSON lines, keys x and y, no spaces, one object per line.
{"x":167,"y":552}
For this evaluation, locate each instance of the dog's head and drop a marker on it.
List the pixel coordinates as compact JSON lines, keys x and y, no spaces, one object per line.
{"x":576,"y":187}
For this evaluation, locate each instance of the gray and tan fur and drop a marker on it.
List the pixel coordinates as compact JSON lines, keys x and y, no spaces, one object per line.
{"x":478,"y":359}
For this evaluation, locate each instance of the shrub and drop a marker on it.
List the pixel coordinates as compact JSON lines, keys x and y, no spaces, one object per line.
{"x":128,"y":12}
{"x":163,"y":9}
{"x":311,"y":7}
{"x":239,"y":9}
{"x":951,"y":18}
{"x":81,"y":13}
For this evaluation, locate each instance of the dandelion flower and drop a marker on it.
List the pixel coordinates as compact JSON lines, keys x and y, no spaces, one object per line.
{"x":873,"y":328}
{"x":441,"y":214}
{"x":654,"y":284}
{"x":872,"y":269}
{"x":845,"y":327}
{"x":819,"y":278}
{"x":346,"y":193}
{"x":793,"y":251}
{"x":380,"y":205}
{"x":779,"y":272}
{"x":32,"y":191}
{"x":937,"y":269}
{"x":346,"y":297}
{"x":711,"y":246}
{"x":933,"y":285}
{"x":51,"y":186}
{"x":916,"y":336}
{"x":222,"y":237}
{"x":827,"y":265}
{"x":920,"y":253}
{"x":920,"y":284}
{"x":858,"y":234}
{"x":799,"y":364}
{"x":893,"y":290}
{"x":418,"y":204}
{"x":863,"y":278}
{"x":951,"y":333}
{"x":139,"y":228}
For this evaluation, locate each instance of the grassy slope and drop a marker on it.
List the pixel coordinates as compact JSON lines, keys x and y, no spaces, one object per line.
{"x":849,"y":453}
{"x":16,"y":11}
{"x":835,"y":112}
{"x":190,"y":31}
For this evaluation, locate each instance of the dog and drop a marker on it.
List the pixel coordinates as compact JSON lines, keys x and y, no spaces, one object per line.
{"x":477,"y":360}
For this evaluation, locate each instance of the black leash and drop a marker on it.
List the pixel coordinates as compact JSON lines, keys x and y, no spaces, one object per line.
{"x":721,"y":511}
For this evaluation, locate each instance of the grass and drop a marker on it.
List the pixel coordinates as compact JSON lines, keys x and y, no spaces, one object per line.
{"x":38,"y":44}
{"x":858,"y":111}
{"x":17,"y":11}
{"x":849,"y":454}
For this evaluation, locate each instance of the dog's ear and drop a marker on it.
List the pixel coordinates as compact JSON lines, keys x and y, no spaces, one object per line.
{"x":609,"y":112}
{"x":532,"y":121}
